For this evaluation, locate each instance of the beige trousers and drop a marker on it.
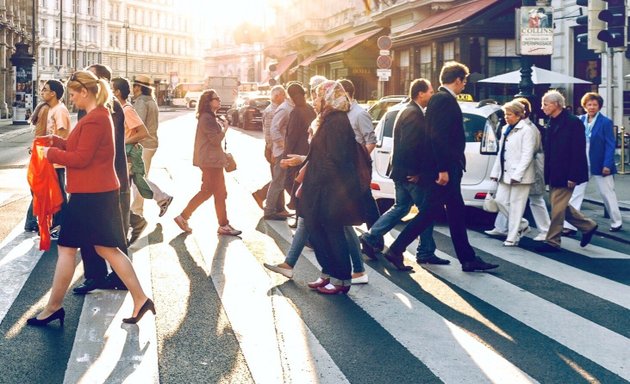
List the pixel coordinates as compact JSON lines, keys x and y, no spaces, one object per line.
{"x":561,"y":210}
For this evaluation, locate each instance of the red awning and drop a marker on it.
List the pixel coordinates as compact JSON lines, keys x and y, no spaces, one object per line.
{"x":350,"y":43}
{"x":306,"y":62}
{"x":282,"y":66}
{"x":451,"y":16}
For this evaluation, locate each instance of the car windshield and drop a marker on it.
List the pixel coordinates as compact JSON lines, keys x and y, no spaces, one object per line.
{"x":474,"y":125}
{"x":261,"y":103}
{"x":379,"y":109}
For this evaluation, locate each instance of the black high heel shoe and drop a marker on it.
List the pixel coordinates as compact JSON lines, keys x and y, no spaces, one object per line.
{"x":147,"y":306}
{"x":58,"y":314}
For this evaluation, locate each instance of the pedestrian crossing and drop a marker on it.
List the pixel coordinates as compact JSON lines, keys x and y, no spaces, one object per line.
{"x":222,"y":317}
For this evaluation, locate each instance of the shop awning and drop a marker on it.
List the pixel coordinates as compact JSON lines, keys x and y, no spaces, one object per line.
{"x":282,"y":66}
{"x":452,"y":16}
{"x":350,"y":43}
{"x":306,"y":62}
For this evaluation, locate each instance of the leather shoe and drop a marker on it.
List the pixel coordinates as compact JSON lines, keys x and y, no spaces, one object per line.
{"x":432,"y":260}
{"x":367,"y":249}
{"x":88,"y":286}
{"x":477,"y":265}
{"x":546,"y":247}
{"x":275,"y":216}
{"x":588,"y":236}
{"x":615,"y":229}
{"x":112,"y":281}
{"x":320,"y":282}
{"x":138,"y":224}
{"x":397,"y":260}
{"x":331,"y":289}
{"x":259,"y":199}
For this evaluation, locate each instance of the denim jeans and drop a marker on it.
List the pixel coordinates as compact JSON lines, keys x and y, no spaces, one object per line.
{"x":274,"y":202}
{"x":354,"y":247}
{"x":406,"y":195}
{"x":61,"y":177}
{"x":297,"y":245}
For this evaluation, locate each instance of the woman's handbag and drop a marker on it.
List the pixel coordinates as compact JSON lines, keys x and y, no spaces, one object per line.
{"x":230,"y":163}
{"x":489,"y":204}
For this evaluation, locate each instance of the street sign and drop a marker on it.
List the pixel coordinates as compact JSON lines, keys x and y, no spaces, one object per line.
{"x":384,"y":52}
{"x":384,"y":62}
{"x":384,"y":42}
{"x":383,"y":72}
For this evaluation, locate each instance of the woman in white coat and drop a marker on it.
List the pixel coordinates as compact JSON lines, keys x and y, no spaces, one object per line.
{"x":514,"y":168}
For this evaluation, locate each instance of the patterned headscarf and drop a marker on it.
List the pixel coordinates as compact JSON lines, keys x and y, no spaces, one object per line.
{"x":334,"y":96}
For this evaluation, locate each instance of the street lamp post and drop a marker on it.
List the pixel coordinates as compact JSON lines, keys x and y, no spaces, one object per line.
{"x":126,"y":27}
{"x":526,"y":86}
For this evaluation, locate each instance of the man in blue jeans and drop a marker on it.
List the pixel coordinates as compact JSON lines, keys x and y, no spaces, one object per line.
{"x":406,"y":169}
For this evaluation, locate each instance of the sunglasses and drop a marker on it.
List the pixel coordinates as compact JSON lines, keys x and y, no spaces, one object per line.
{"x":215,"y":98}
{"x":75,"y":78}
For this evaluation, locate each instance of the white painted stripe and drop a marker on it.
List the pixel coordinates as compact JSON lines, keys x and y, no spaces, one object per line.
{"x":592,"y":251}
{"x":447,"y":350}
{"x":588,"y":282}
{"x":106,"y":351}
{"x":19,"y":254}
{"x":567,"y":328}
{"x":277,"y":345}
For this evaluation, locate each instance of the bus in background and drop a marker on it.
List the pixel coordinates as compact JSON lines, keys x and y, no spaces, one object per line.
{"x":179,"y":98}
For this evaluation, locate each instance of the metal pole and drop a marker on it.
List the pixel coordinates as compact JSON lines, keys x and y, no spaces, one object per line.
{"x":622,"y":171}
{"x":76,"y":37}
{"x":126,"y":27}
{"x":526,"y":86}
{"x":35,"y":54}
{"x":60,"y":36}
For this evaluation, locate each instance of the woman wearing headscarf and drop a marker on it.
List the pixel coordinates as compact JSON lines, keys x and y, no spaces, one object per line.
{"x":328,"y":201}
{"x":514,"y":167}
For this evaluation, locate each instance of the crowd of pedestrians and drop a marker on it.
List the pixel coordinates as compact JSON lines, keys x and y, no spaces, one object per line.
{"x":318,"y":153}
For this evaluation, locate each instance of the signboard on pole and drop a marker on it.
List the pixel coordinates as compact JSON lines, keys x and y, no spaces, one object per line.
{"x":534,"y":31}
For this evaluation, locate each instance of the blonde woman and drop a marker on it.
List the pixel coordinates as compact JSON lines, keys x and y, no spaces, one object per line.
{"x":89,"y":151}
{"x":514,"y":168}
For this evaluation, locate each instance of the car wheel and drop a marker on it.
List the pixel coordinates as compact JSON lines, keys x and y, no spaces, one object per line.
{"x":192,"y":104}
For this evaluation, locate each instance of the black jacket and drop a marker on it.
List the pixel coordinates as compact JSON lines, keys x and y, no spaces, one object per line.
{"x":446,"y":127}
{"x":331,"y":184}
{"x":565,"y":151}
{"x":409,"y":155}
{"x":296,"y":139}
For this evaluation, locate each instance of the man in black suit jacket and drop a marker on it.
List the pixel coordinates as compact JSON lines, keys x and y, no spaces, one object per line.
{"x":408,"y":162}
{"x":565,"y":167}
{"x":444,"y":167}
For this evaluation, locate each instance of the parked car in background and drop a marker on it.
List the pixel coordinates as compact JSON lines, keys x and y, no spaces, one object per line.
{"x":249,"y":114}
{"x":482,"y":125}
{"x":192,"y":98}
{"x":378,"y":109}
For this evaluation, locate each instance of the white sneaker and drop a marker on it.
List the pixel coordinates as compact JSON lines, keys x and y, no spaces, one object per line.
{"x":495,"y":232}
{"x":286,"y":272}
{"x":363,"y":279}
{"x":540,"y":237}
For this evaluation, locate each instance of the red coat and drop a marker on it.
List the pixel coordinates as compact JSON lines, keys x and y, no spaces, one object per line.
{"x":47,"y":197}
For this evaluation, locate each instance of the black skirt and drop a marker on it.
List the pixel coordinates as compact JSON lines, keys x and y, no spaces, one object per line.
{"x":92,"y":219}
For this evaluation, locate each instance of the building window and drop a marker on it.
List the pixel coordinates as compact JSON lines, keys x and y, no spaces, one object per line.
{"x":502,"y":56}
{"x":42,"y":28}
{"x":57,"y":29}
{"x":448,"y":51}
{"x":423,"y":62}
{"x":403,"y":61}
{"x":42,"y":57}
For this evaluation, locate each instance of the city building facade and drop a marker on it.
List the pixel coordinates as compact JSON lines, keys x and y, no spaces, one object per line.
{"x":16,"y":26}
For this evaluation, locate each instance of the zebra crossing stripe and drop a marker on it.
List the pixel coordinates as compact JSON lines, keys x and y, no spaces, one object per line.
{"x":104,"y":350}
{"x":277,"y":345}
{"x":19,"y":254}
{"x":567,"y":328}
{"x":588,"y":282}
{"x":442,"y":345}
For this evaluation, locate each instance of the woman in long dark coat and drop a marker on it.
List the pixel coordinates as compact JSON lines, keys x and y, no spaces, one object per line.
{"x":328,"y":201}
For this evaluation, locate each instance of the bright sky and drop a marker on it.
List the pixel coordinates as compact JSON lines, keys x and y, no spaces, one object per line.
{"x":226,"y":13}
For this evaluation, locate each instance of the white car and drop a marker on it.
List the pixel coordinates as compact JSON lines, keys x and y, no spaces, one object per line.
{"x":482,"y":125}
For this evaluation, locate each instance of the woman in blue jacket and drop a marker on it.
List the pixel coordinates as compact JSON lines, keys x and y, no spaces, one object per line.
{"x":600,"y":150}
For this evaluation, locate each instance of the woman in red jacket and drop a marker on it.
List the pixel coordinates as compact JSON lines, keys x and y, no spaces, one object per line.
{"x":93,"y":211}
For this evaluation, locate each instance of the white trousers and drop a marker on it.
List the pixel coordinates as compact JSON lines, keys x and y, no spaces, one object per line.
{"x":539,"y":212}
{"x":511,"y":199}
{"x":606,"y":187}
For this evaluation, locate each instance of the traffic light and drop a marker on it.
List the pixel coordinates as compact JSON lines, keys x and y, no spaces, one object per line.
{"x":615,"y":17}
{"x":593,"y":23}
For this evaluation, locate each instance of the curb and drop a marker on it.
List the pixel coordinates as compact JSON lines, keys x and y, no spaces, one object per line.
{"x":14,"y":133}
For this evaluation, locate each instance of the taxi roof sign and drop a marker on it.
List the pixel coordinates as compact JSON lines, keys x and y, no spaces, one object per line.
{"x":465,"y":97}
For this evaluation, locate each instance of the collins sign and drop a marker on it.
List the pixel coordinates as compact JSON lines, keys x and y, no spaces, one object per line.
{"x":534,"y":30}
